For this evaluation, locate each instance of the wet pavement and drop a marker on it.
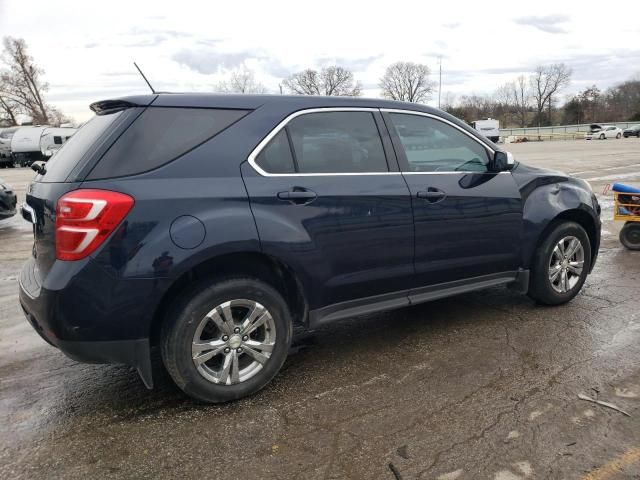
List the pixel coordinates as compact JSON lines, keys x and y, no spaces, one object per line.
{"x":478,"y":386}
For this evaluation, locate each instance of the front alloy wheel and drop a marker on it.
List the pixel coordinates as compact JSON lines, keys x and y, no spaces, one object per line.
{"x":566,"y":264}
{"x":560,"y":264}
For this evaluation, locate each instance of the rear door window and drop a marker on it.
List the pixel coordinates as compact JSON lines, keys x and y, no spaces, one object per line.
{"x":337,"y":142}
{"x":161,"y":135}
{"x":331,"y":142}
{"x":276,"y":157}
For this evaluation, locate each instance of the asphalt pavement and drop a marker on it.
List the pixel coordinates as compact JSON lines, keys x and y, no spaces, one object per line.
{"x":479,"y":386}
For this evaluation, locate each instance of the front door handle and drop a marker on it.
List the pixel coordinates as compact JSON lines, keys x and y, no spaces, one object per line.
{"x":432,"y":195}
{"x":298,"y":195}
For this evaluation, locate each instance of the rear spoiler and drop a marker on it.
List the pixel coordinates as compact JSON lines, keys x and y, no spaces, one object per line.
{"x":109,"y":106}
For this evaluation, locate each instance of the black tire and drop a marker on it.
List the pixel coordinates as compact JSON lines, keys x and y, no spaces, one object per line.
{"x":540,"y":286}
{"x":182,"y":322}
{"x":630,"y":235}
{"x":602,"y":136}
{"x":618,"y":136}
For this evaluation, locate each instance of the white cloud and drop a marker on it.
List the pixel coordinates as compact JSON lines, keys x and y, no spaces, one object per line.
{"x":88,"y":52}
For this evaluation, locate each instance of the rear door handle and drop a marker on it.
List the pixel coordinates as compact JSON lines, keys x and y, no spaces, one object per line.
{"x":298,"y":196}
{"x":432,"y":195}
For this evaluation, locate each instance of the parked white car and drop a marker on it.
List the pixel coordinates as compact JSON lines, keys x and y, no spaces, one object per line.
{"x":601,"y":132}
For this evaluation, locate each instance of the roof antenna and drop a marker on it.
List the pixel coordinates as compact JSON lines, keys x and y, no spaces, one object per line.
{"x":145,"y":78}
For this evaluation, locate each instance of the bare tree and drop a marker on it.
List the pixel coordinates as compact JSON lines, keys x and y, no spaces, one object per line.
{"x":407,"y":81}
{"x":9,"y":110}
{"x":241,"y":80}
{"x":332,"y":81}
{"x":546,"y":82}
{"x":20,"y":80}
{"x":521,"y":97}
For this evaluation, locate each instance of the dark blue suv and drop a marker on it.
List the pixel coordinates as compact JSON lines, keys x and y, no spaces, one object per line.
{"x":215,"y":226}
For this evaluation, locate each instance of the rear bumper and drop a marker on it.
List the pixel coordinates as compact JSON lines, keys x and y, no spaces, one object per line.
{"x":83,"y":328}
{"x":135,"y":353}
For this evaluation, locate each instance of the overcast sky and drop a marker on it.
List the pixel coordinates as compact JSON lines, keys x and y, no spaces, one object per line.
{"x":87,"y":47}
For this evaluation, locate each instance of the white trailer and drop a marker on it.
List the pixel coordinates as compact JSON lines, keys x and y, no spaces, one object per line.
{"x":5,"y":146}
{"x":488,"y":127}
{"x":25,"y":145}
{"x":53,"y":138}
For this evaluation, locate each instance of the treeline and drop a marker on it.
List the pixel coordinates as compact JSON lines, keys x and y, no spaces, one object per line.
{"x":535,"y":101}
{"x":621,"y":102}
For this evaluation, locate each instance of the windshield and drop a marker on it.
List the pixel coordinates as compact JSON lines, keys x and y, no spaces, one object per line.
{"x":68,"y":156}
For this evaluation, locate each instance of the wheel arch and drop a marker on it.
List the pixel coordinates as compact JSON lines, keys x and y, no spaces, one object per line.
{"x":582,"y":218}
{"x":254,"y":264}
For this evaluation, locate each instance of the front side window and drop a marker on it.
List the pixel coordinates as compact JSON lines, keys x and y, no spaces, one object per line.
{"x":57,"y":140}
{"x":434,"y":146}
{"x":326,"y":142}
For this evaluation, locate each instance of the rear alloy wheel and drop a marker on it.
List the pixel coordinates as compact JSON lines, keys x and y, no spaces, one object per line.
{"x":618,"y":136}
{"x":560,"y":265}
{"x":602,"y":136}
{"x":233,"y":342}
{"x":630,"y":235}
{"x":226,"y":340}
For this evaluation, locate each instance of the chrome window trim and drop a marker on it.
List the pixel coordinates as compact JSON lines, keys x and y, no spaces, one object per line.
{"x":256,"y":151}
{"x":263,"y":143}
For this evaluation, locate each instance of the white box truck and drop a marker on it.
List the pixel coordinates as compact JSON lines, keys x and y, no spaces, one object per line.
{"x":488,"y":127}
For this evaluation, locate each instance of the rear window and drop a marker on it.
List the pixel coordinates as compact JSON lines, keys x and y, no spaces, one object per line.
{"x":159,"y":136}
{"x":63,"y":162}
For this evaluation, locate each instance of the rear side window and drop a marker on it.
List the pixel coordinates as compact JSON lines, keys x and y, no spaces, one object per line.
{"x":159,"y":136}
{"x":331,"y":142}
{"x":57,"y":140}
{"x":63,"y":162}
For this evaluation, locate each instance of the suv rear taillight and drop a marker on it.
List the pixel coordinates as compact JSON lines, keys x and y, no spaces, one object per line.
{"x":85,"y":218}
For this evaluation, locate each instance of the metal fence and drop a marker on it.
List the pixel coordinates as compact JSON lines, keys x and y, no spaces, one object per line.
{"x":559,"y":129}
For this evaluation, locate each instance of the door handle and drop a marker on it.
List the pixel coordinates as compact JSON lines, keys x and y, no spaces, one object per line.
{"x":431,"y":195}
{"x":297,"y":195}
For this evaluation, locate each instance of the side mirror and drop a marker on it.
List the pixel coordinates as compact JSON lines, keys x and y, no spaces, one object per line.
{"x":503,"y":161}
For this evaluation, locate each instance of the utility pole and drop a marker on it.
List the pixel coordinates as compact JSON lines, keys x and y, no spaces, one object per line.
{"x":440,"y":87}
